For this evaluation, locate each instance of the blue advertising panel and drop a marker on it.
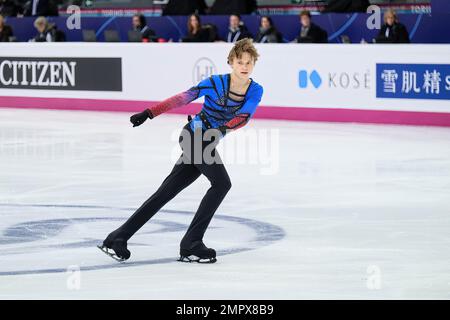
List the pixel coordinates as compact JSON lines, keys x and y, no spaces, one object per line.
{"x":413,"y":81}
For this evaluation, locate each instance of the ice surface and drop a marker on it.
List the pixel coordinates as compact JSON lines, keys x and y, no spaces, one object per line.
{"x":329,"y":210}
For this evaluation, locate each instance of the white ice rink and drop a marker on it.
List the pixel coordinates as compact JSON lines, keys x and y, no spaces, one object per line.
{"x":333,"y":211}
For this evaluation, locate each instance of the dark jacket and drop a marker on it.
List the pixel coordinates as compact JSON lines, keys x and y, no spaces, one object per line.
{"x":212,"y":31}
{"x":239,"y":34}
{"x":10,"y":8}
{"x":233,"y":7}
{"x":270,"y":35}
{"x":396,"y":34}
{"x":44,"y":8}
{"x":203,"y":35}
{"x":53,"y":33}
{"x":6,"y":33}
{"x":315,"y":35}
{"x":147,"y":33}
{"x":184,"y":7}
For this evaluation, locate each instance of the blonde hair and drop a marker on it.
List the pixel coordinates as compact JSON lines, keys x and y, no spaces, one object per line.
{"x":40,"y":20}
{"x":242,"y":46}
{"x":391,"y":12}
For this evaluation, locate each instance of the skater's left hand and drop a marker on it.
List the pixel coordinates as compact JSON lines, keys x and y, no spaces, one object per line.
{"x":139,"y":118}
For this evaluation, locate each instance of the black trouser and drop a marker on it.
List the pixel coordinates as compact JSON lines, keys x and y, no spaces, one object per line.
{"x":186,"y":170}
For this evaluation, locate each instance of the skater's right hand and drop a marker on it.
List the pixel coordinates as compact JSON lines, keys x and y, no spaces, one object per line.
{"x":139,"y":118}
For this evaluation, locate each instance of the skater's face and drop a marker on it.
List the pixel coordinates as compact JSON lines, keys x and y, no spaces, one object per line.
{"x":243,"y":66}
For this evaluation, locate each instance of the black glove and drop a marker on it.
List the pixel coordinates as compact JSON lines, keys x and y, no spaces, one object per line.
{"x":139,"y":118}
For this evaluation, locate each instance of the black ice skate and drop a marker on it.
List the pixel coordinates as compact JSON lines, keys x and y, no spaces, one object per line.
{"x":116,"y":249}
{"x":198,"y":252}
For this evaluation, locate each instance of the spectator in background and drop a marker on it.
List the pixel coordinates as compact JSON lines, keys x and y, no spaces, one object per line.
{"x":347,"y":6}
{"x":237,"y":30}
{"x":42,"y":8}
{"x":233,"y":6}
{"x":5,"y":31}
{"x":10,"y":8}
{"x":47,"y":32}
{"x":213,"y":32}
{"x":267,"y":32}
{"x":140,"y":24}
{"x":392,"y":31}
{"x":185,"y":7}
{"x":196,"y":33}
{"x":310,"y":32}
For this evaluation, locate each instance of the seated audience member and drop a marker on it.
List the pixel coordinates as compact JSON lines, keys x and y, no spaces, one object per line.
{"x":47,"y":32}
{"x":347,"y":6}
{"x":196,"y":32}
{"x":237,"y":30}
{"x":10,"y":8}
{"x":267,"y":32}
{"x":213,"y":32}
{"x":310,"y":32}
{"x":140,"y":24}
{"x":5,"y":31}
{"x":185,"y":7}
{"x":233,"y":6}
{"x":392,"y":31}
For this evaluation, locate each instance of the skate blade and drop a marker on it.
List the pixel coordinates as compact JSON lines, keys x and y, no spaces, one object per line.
{"x":190,"y":259}
{"x":111,"y":254}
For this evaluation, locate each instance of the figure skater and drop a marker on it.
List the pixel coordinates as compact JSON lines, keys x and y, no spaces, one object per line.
{"x":230,"y":102}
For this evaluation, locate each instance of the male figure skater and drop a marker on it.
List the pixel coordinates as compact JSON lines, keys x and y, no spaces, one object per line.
{"x":230,"y":101}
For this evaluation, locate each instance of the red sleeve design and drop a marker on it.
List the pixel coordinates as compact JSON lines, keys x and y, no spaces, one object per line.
{"x":178,"y":100}
{"x":237,"y":122}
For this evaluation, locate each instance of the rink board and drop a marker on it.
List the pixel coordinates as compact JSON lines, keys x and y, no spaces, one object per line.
{"x":395,"y":84}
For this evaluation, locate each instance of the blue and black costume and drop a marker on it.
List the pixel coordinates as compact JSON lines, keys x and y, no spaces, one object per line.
{"x":223,"y":110}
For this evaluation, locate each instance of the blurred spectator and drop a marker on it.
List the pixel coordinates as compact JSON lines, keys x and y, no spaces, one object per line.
{"x":213,"y":32}
{"x":140,"y":24}
{"x":267,"y":32}
{"x":233,"y":7}
{"x":196,"y":32}
{"x":392,"y":31}
{"x":310,"y":32}
{"x":47,"y":32}
{"x":10,"y":8}
{"x":185,"y":7}
{"x":347,"y":6}
{"x":237,"y":30}
{"x":42,"y":8}
{"x":5,"y":31}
